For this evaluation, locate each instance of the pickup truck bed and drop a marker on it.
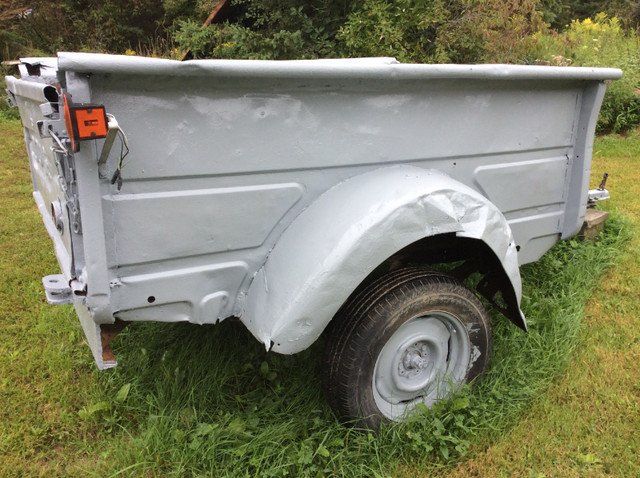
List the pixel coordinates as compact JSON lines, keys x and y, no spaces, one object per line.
{"x":271,"y":191}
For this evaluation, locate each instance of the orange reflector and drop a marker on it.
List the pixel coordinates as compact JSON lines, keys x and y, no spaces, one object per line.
{"x":91,"y":122}
{"x":84,"y":122}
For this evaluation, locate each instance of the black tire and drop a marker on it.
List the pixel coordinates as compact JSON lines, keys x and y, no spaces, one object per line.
{"x":412,"y":336}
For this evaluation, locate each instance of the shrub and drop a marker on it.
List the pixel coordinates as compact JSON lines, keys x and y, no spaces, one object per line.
{"x":404,"y":29}
{"x":457,"y":31}
{"x":601,"y":42}
{"x":268,"y":29}
{"x":490,"y":31}
{"x":84,"y":25}
{"x":560,"y":13}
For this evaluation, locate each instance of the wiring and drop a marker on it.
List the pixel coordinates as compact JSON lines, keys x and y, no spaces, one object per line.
{"x":124,"y":152}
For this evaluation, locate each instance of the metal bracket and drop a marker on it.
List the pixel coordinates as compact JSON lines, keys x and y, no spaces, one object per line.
{"x":51,"y":128}
{"x":48,"y":109}
{"x":78,"y":288}
{"x":108,"y":142}
{"x":600,"y":193}
{"x":597,"y":195}
{"x":11,"y":99}
{"x":57,"y":290}
{"x":74,"y":215}
{"x":108,"y":332}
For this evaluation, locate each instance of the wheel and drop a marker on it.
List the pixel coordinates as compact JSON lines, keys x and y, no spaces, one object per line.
{"x":412,"y":336}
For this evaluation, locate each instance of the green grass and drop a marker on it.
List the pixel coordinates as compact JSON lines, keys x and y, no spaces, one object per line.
{"x":586,"y":423}
{"x":44,"y":372}
{"x":209,"y":401}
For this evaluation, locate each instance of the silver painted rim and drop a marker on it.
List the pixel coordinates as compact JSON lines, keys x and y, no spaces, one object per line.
{"x":423,"y":361}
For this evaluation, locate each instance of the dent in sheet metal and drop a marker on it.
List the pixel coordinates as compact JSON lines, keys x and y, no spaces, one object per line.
{"x":346,"y":233}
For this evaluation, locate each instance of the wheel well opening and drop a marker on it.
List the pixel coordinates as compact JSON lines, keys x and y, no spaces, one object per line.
{"x":469,"y":260}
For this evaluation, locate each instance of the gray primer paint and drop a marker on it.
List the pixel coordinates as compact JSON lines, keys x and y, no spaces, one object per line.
{"x":314,"y":267}
{"x":269,"y":190}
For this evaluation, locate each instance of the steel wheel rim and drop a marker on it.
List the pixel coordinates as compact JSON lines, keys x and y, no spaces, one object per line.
{"x":422,"y":362}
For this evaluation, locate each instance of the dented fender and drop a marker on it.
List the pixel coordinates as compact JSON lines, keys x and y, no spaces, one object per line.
{"x":334,"y":244}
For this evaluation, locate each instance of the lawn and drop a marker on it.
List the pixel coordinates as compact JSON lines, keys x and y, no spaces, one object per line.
{"x":562,"y":400}
{"x":587,"y":423}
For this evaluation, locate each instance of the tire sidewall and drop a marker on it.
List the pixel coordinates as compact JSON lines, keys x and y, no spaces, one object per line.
{"x":395,"y":310}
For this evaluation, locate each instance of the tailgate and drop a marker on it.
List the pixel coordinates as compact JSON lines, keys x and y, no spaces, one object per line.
{"x":64,"y":177}
{"x":51,"y":169}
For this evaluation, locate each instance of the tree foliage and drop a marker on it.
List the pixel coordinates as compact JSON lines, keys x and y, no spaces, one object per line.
{"x":88,"y":25}
{"x":437,"y":30}
{"x":490,"y":30}
{"x":562,"y":32}
{"x":268,"y":29}
{"x":601,"y":42}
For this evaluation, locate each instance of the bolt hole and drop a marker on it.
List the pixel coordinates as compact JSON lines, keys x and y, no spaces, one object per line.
{"x":151,"y":299}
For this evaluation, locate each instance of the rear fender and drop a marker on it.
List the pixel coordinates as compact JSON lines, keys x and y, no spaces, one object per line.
{"x":334,"y":244}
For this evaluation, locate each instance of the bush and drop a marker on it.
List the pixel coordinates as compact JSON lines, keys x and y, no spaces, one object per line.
{"x":601,"y":42}
{"x":439,"y":31}
{"x":453,"y":31}
{"x":268,"y":29}
{"x":560,"y":13}
{"x":490,"y":31}
{"x":6,"y":113}
{"x":402,"y":29}
{"x":81,"y":25}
